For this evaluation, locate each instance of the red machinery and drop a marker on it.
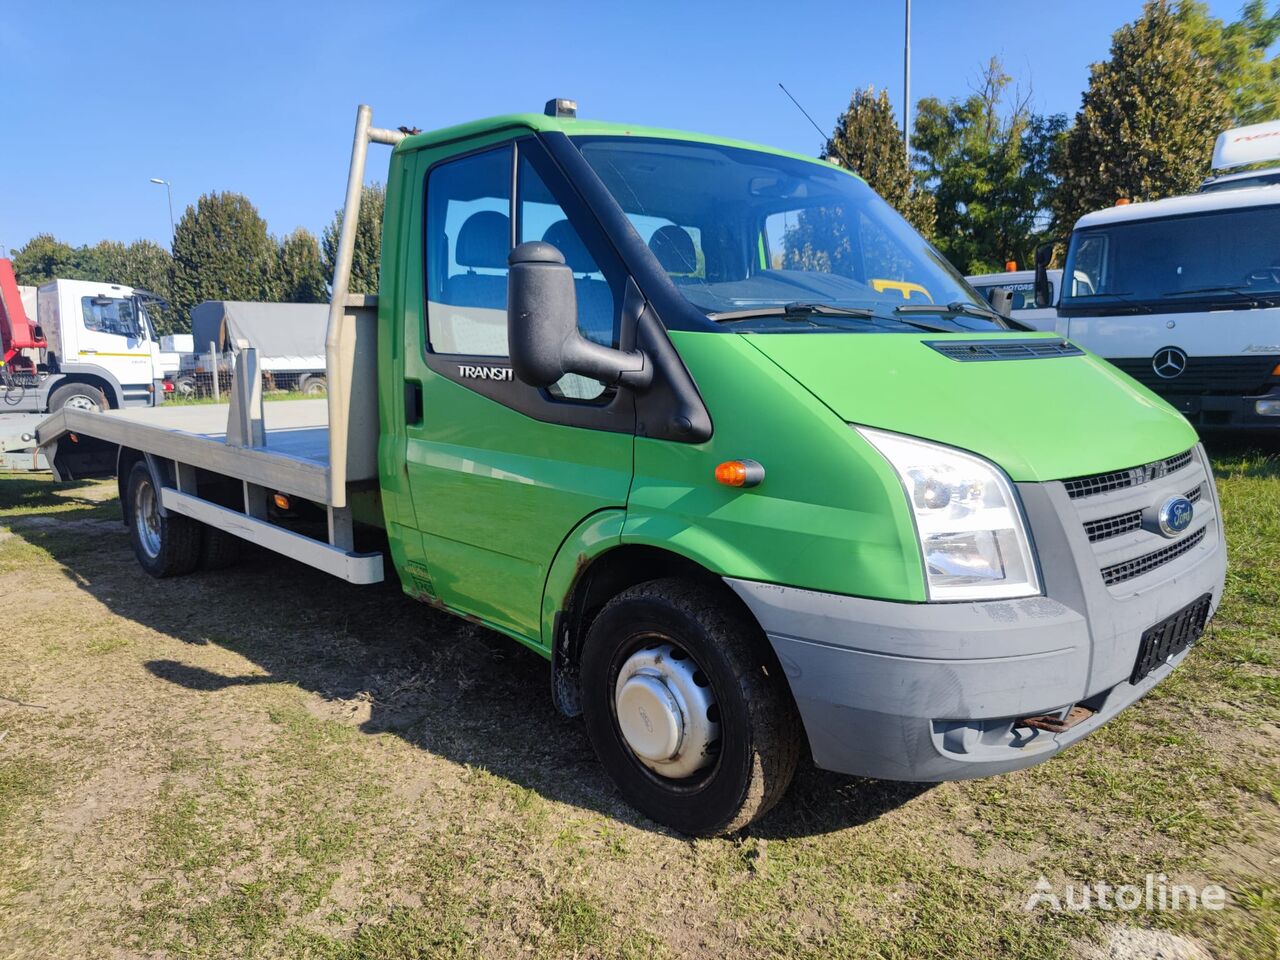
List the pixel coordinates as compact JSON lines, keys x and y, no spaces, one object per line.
{"x":17,"y":332}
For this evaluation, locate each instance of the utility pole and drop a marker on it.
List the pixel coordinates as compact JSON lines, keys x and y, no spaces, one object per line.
{"x":906,"y":86}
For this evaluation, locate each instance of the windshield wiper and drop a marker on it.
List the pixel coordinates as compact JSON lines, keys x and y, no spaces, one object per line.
{"x":802,"y":310}
{"x":957,"y":308}
{"x":1252,"y":296}
{"x":1122,"y":297}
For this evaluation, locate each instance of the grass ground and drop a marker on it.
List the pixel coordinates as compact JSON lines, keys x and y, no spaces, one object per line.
{"x":263,"y":762}
{"x":269,"y":396}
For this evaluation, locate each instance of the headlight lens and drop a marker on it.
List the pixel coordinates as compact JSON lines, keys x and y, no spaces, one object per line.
{"x":970,"y":526}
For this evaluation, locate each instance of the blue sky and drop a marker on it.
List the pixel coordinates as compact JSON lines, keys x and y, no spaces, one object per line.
{"x":260,"y":97}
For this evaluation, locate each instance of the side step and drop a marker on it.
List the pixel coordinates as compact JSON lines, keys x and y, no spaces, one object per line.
{"x":362,"y":568}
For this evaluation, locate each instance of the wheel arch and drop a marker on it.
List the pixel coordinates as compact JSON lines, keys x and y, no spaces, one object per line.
{"x":594,"y":565}
{"x":126,"y":457}
{"x":94,"y":377}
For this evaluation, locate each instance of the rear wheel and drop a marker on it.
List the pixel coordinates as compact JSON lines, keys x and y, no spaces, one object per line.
{"x":687,"y":709}
{"x":218,"y":549}
{"x":166,"y":546}
{"x":77,"y":396}
{"x":314,"y":386}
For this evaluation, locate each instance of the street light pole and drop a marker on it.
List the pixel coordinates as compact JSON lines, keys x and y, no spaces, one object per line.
{"x":169,"y":190}
{"x":906,"y":86}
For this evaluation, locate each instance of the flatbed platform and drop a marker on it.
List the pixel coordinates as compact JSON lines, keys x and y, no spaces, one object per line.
{"x":294,"y":460}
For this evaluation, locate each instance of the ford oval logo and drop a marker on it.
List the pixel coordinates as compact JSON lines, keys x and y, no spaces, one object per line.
{"x":1175,"y":516}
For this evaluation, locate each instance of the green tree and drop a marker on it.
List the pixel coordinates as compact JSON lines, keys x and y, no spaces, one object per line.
{"x":301,"y":271}
{"x":141,"y":264}
{"x":986,"y":160}
{"x":1238,"y":52}
{"x":868,"y":141}
{"x":1147,"y":121}
{"x":222,"y":251}
{"x":44,"y":258}
{"x":368,"y":250}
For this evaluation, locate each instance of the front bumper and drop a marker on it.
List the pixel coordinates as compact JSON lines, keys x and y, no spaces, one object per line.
{"x":1224,"y":412}
{"x":932,"y":691}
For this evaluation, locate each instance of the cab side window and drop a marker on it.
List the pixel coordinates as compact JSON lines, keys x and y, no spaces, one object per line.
{"x":468,"y":239}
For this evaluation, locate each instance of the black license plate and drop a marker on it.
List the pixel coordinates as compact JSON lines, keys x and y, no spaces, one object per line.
{"x":1171,"y":636}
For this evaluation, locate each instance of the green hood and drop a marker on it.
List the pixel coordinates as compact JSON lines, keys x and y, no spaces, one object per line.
{"x":1039,"y":419}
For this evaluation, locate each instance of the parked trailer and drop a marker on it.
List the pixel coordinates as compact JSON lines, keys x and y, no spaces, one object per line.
{"x":712,"y":429}
{"x":289,"y":338}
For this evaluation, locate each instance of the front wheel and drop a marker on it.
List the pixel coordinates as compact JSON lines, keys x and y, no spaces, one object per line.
{"x":166,"y":546}
{"x":687,"y":708}
{"x":77,"y":396}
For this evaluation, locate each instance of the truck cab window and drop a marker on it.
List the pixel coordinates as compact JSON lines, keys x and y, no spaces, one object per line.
{"x":468,"y":239}
{"x":111,"y":315}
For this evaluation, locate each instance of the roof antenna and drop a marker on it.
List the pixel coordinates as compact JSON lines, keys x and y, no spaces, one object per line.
{"x":825,"y":138}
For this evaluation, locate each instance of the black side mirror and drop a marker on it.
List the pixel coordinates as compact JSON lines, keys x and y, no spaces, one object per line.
{"x":1001,"y":300}
{"x":1044,"y":293}
{"x":542,"y":326}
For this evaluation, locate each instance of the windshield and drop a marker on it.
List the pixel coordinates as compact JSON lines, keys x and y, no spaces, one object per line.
{"x":1228,"y":256}
{"x":1263,"y":179}
{"x":111,"y":315}
{"x":740,"y":231}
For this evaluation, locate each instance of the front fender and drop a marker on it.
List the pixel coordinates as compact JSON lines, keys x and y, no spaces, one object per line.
{"x":591,"y":537}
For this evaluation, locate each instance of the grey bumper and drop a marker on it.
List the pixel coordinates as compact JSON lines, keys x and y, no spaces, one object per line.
{"x":931,"y":691}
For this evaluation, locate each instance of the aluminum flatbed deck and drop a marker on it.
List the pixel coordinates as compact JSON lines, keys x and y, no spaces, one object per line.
{"x":295,"y":458}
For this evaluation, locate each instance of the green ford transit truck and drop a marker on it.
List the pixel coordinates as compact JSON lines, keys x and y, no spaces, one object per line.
{"x":712,"y":429}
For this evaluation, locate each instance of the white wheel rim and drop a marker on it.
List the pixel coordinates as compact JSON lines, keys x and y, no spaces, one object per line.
{"x":666,"y":711}
{"x":81,"y":402}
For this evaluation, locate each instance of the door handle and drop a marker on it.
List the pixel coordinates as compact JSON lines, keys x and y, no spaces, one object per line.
{"x":412,"y":403}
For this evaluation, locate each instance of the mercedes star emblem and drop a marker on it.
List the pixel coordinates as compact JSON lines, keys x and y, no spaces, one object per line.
{"x":1169,"y":362}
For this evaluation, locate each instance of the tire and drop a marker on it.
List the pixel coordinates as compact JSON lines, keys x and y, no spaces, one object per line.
{"x":77,"y":396}
{"x":166,"y":546}
{"x":755,"y":741}
{"x":315,"y":386}
{"x":218,"y":549}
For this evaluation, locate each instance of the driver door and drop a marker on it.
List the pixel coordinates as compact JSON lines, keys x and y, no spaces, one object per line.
{"x":501,"y":473}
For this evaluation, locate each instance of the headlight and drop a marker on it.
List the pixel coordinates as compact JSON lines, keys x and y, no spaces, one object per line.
{"x":970,"y":526}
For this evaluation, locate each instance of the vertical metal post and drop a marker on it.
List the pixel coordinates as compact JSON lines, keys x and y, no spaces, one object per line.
{"x":213,"y":365}
{"x":906,"y":86}
{"x":337,"y":387}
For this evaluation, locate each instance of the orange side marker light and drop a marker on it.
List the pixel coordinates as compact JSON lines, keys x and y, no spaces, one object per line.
{"x":739,"y":473}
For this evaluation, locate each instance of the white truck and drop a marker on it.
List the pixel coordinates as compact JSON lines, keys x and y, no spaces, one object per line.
{"x":1183,"y":294}
{"x":1021,"y":286}
{"x":99,"y":351}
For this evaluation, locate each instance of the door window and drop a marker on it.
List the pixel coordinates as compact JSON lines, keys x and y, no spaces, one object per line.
{"x":110,"y":315}
{"x":468,"y":239}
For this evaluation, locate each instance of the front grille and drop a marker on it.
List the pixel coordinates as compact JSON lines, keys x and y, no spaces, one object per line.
{"x":979,"y":350}
{"x":1122,"y":479}
{"x":1226,"y":376}
{"x":1109,"y":527}
{"x":1136,"y":567}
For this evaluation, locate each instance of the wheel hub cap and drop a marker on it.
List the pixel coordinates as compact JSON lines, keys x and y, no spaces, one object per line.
{"x":666,"y":711}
